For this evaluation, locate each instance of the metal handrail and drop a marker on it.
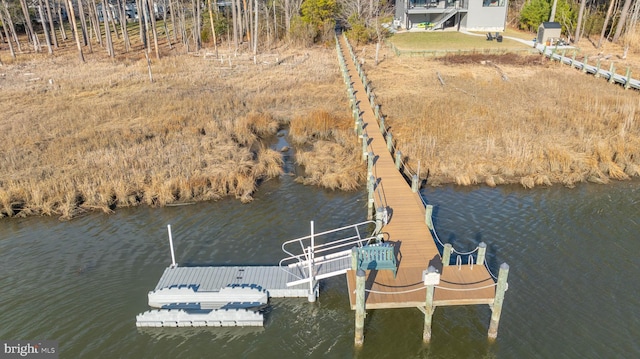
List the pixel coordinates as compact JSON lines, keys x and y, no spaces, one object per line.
{"x":324,"y":247}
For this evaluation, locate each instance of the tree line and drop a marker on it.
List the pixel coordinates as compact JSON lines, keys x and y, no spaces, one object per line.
{"x":253,"y":25}
{"x":606,"y":20}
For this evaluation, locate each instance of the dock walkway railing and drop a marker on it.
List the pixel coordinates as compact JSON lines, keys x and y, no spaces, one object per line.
{"x":559,"y":54}
{"x":412,"y":175}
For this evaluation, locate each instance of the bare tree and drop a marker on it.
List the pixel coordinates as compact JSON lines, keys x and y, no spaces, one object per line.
{"x":83,"y":25}
{"x":553,"y":11}
{"x":255,"y":28}
{"x":173,"y":21}
{"x":94,"y":21}
{"x":154,"y":31}
{"x":6,"y":23}
{"x":29,"y":26}
{"x":606,"y":22}
{"x":74,"y":29}
{"x":123,"y":25}
{"x":234,"y":19}
{"x":107,"y":30}
{"x":52,"y":29}
{"x":44,"y":27}
{"x":630,"y":33}
{"x":579,"y":23}
{"x":63,"y":31}
{"x":621,"y":21}
{"x":213,"y":27}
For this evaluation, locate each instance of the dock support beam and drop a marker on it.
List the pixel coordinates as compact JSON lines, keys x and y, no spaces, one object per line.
{"x":360,"y":309}
{"x":496,"y":308}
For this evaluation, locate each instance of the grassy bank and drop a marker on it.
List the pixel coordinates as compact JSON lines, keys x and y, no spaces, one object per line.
{"x":100,"y":135}
{"x":496,"y":119}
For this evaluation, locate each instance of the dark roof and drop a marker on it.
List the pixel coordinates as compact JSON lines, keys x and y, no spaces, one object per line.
{"x":551,"y":25}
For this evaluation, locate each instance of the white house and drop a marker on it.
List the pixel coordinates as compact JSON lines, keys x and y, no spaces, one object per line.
{"x":472,"y":15}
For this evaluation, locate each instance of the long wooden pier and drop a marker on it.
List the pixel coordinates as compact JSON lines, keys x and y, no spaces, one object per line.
{"x":408,"y":226}
{"x":402,"y":264}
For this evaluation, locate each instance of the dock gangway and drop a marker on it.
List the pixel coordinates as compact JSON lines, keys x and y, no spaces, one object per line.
{"x":325,"y":254}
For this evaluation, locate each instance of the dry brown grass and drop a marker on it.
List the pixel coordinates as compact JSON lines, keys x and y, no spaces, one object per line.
{"x":100,"y":135}
{"x":334,"y":158}
{"x":546,"y":124}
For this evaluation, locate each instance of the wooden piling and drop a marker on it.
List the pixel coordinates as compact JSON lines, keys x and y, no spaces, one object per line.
{"x":354,"y":258}
{"x":496,"y":308}
{"x":428,"y":216}
{"x":482,"y":250}
{"x":370,"y":165}
{"x":365,"y":144}
{"x":446,"y":254}
{"x":428,"y":309}
{"x":380,"y":220}
{"x":371,"y":183}
{"x":382,"y":127}
{"x":398,"y":160}
{"x":414,"y":183}
{"x":428,"y":315}
{"x":598,"y":69}
{"x":612,"y":72}
{"x":389,"y":141}
{"x":627,"y":84}
{"x":584,"y":64}
{"x":360,"y":309}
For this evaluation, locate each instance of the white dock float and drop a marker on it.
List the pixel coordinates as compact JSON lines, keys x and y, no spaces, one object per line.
{"x":212,"y":279}
{"x":236,"y":296}
{"x":214,"y":318}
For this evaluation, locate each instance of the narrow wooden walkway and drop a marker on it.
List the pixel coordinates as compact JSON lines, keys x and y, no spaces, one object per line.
{"x":408,"y":230}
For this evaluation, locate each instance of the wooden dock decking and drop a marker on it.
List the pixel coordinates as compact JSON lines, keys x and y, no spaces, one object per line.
{"x":407,"y":228}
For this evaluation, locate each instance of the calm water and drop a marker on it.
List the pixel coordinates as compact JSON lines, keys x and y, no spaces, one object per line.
{"x":574,"y":278}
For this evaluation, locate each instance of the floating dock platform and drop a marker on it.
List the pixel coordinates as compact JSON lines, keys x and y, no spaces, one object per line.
{"x":216,"y":296}
{"x":272,"y":279}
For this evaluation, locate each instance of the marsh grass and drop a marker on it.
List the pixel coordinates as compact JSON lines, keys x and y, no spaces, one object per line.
{"x":333,"y":160}
{"x":546,"y":124}
{"x":100,"y":135}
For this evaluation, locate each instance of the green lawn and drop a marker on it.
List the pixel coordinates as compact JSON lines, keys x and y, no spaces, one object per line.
{"x":449,"y":40}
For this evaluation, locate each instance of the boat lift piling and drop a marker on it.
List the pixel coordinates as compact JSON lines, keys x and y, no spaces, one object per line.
{"x":173,"y":255}
{"x":312,"y":281}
